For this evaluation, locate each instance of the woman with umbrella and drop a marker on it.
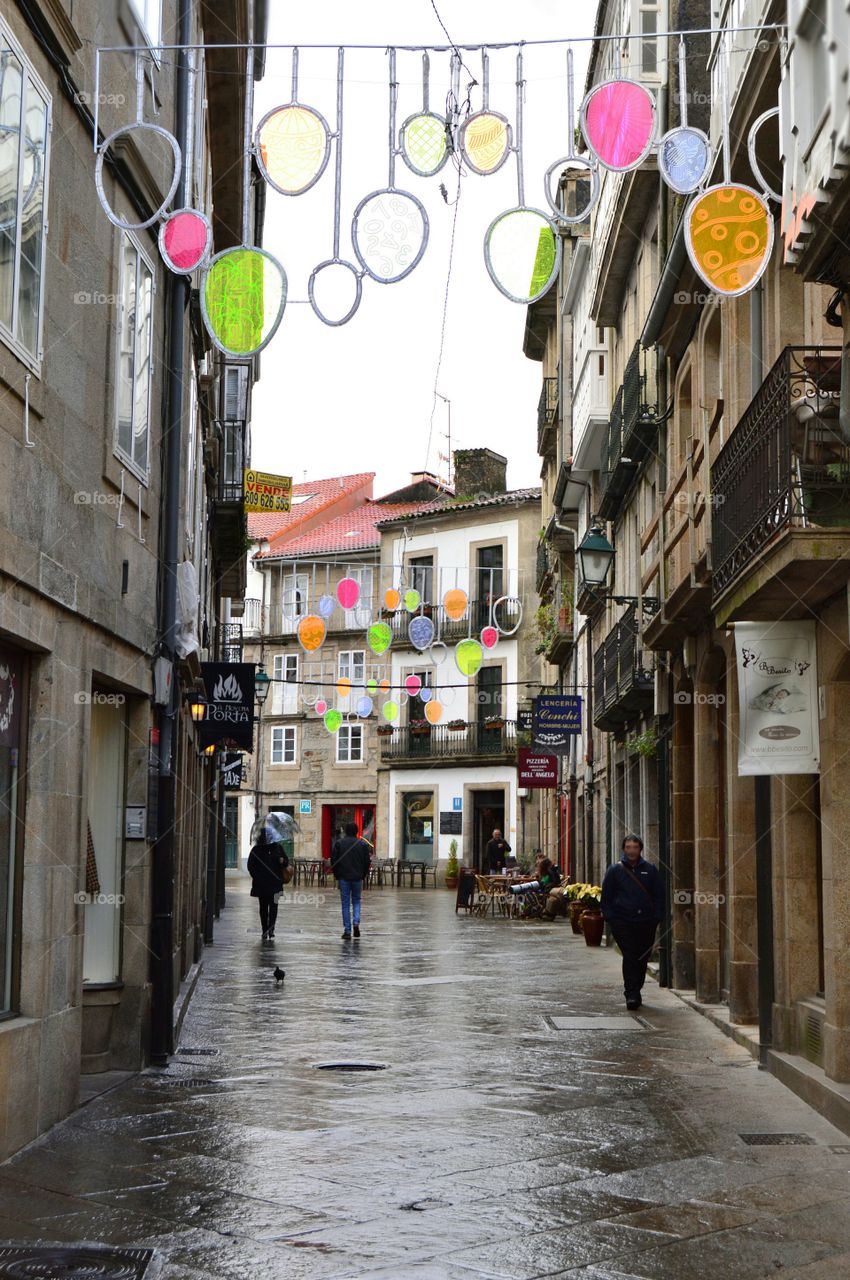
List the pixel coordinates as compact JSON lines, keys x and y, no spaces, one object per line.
{"x":268,"y":865}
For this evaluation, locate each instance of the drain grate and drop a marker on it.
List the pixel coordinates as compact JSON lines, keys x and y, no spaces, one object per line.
{"x":351,"y":1066}
{"x":55,"y":1262}
{"x":184,"y":1082}
{"x":840,"y":1151}
{"x":777,"y":1139}
{"x":199,"y":1053}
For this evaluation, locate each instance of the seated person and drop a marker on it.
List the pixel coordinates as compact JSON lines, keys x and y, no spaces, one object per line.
{"x":545,"y":878}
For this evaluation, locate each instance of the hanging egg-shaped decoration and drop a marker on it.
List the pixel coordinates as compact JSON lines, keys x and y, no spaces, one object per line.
{"x":321,"y":706}
{"x":412,"y":684}
{"x":343,"y":687}
{"x":390,"y":711}
{"x":243,"y":294}
{"x":684,"y":158}
{"x":379,"y":637}
{"x":292,"y":147}
{"x":489,"y":637}
{"x":618,"y":123}
{"x":372,"y":686}
{"x":332,"y":719}
{"x":425,"y":694}
{"x":454,"y":603}
{"x":424,"y":147}
{"x":468,"y":656}
{"x":485,"y":141}
{"x":729,"y":237}
{"x":433,"y":711}
{"x":364,"y":707}
{"x":184,"y":240}
{"x":311,"y":632}
{"x":420,"y":631}
{"x":326,"y":605}
{"x":392,"y":599}
{"x":522,"y":252}
{"x":389,"y":232}
{"x":348,"y":592}
{"x":412,"y":600}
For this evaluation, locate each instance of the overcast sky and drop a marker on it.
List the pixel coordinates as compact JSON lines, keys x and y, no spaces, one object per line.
{"x":359,"y":397}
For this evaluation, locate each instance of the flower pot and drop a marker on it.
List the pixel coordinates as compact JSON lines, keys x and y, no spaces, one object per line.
{"x":576,"y":911}
{"x":592,"y":926}
{"x":451,"y":882}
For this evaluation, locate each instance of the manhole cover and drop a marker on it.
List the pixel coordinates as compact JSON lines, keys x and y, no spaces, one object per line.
{"x":199,"y":1053}
{"x":351,"y":1066}
{"x":53,"y":1262}
{"x":777,"y":1139}
{"x":598,"y":1023}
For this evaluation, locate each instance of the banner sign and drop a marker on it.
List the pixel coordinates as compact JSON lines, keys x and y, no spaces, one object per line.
{"x":264,"y":492}
{"x":231,"y":772}
{"x":535,"y":769}
{"x":229,"y":717}
{"x":777,"y":698}
{"x":556,"y":721}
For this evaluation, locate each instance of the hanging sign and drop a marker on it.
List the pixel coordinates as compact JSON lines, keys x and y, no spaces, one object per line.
{"x":536,"y":769}
{"x":264,"y":492}
{"x":231,"y":771}
{"x":556,"y":719}
{"x":777,"y":698}
{"x":229,"y":718}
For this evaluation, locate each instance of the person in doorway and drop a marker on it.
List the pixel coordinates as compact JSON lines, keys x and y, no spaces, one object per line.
{"x":495,"y":853}
{"x":633,"y":905}
{"x":267,"y":862}
{"x":350,"y":858}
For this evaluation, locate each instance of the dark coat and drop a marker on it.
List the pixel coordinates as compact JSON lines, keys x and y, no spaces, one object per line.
{"x":495,"y":854}
{"x":633,"y":894}
{"x":350,"y":858}
{"x":265,"y":866}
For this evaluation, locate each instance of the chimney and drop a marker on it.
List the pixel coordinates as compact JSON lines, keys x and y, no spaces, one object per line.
{"x":479,"y":473}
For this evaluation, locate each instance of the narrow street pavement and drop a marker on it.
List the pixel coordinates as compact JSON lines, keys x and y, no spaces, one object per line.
{"x":492,"y":1145}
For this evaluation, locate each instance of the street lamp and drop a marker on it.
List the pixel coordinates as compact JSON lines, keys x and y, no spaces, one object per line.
{"x":197,"y":705}
{"x":595,"y":557}
{"x":208,"y":751}
{"x":262,"y":683}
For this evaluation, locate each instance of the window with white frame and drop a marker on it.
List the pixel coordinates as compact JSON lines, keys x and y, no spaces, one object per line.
{"x":24,"y":138}
{"x":649,"y":19}
{"x":296,"y":593}
{"x":134,"y":375}
{"x":352,"y":665}
{"x":360,"y":616}
{"x":284,"y":744}
{"x":149,"y":14}
{"x":349,"y":744}
{"x":285,"y":686}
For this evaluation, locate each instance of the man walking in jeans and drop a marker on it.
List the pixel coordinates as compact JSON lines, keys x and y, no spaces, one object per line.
{"x":350,"y":858}
{"x":633,"y":905}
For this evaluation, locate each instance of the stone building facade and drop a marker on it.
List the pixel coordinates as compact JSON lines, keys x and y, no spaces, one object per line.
{"x":718,"y":476}
{"x":84,"y":368}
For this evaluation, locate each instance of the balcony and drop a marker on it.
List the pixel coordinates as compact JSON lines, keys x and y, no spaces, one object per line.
{"x":254,"y":616}
{"x":438,"y":744}
{"x":781,"y":494}
{"x":547,"y":417}
{"x":623,"y":679}
{"x":545,"y":567}
{"x":228,"y":642}
{"x":632,"y":427}
{"x":478,"y":614}
{"x":228,"y":525}
{"x":591,"y":407}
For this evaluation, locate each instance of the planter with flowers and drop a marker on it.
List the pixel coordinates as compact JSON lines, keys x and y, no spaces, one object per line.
{"x":385,"y":730}
{"x":420,"y":727}
{"x":592,"y":923}
{"x":456,"y":726}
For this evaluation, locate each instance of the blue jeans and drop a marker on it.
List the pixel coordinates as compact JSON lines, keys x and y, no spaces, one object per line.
{"x":351,"y":892}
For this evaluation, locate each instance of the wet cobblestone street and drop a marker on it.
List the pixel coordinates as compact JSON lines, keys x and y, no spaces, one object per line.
{"x":492,"y":1145}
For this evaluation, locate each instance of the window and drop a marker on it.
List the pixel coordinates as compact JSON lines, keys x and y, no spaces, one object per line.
{"x":352,"y":665}
{"x":649,"y":43}
{"x":296,"y":591}
{"x":135,"y":367}
{"x":421,"y":571}
{"x":12,"y":729}
{"x":349,"y":744}
{"x":285,"y":687}
{"x":360,"y":616}
{"x":24,"y":132}
{"x":149,"y":14}
{"x":490,"y":585}
{"x":284,"y":743}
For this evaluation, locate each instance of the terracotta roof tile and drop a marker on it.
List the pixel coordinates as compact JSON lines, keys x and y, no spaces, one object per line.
{"x":512,"y":498}
{"x":355,"y":531}
{"x":318,"y":493}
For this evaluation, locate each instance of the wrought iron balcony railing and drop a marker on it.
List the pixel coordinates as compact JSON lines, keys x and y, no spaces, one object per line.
{"x":440,"y":742}
{"x":631,"y":431}
{"x":623,"y":678}
{"x":544,"y":567}
{"x":547,"y":414}
{"x":786,"y":464}
{"x":233,"y":459}
{"x":229,"y":642}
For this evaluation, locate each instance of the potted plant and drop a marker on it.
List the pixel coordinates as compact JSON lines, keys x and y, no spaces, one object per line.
{"x":456,"y":726}
{"x":452,"y":868}
{"x":420,"y":727}
{"x":592,"y":924}
{"x":385,"y":730}
{"x":494,"y":722}
{"x":575,"y":907}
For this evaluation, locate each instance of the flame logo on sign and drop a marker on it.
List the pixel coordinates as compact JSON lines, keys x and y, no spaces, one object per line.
{"x":227,"y":690}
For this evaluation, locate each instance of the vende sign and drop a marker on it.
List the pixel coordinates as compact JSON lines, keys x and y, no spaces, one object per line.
{"x":534,"y":769}
{"x":264,"y":492}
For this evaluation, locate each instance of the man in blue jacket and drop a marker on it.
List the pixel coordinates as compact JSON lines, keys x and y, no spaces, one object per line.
{"x":633,"y":905}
